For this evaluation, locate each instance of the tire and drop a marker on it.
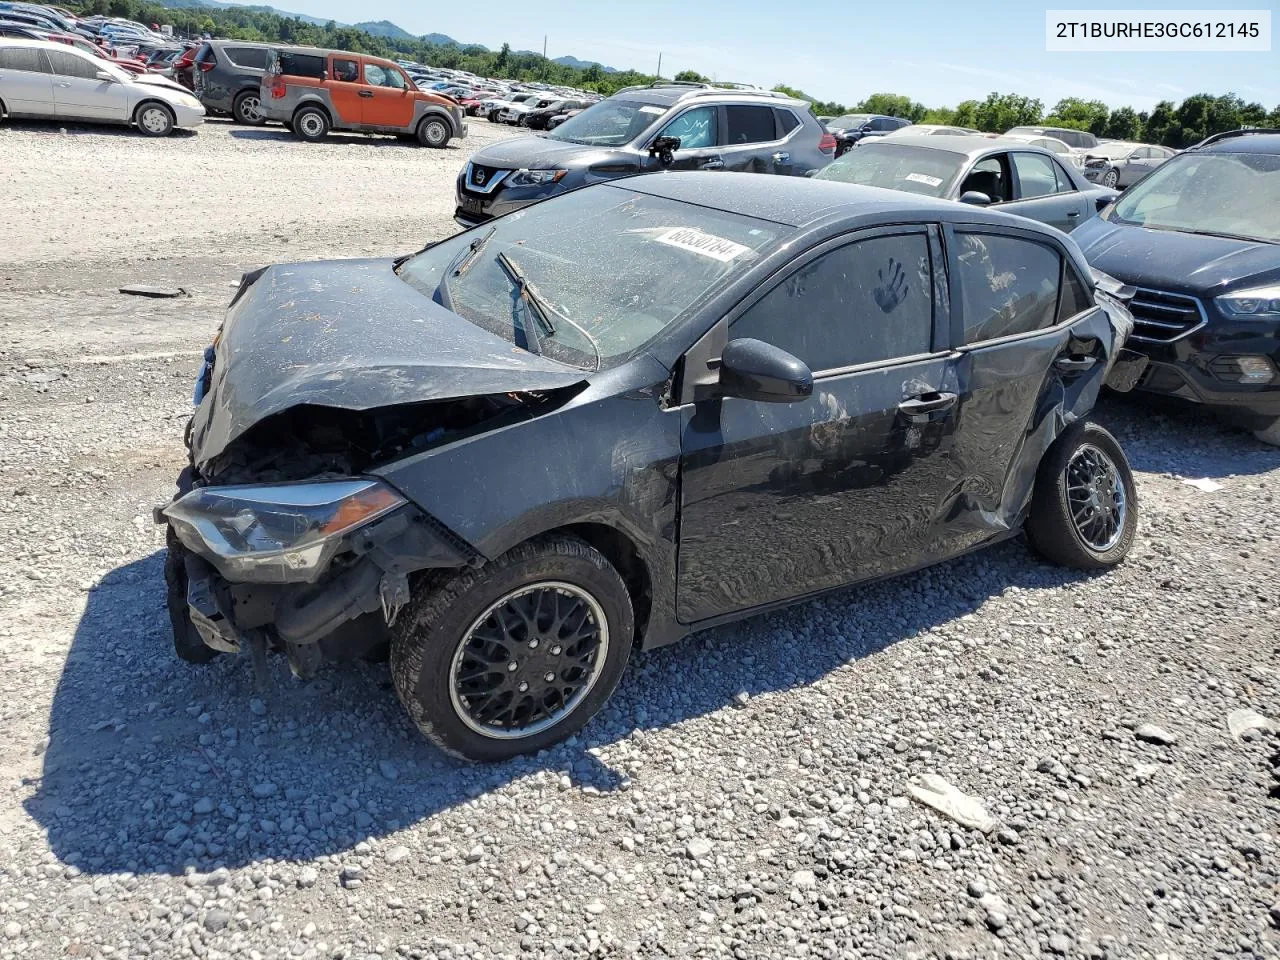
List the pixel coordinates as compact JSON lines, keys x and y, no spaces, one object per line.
{"x":429,"y":644}
{"x":154,"y":119}
{"x":186,"y":639}
{"x":1111,"y":178}
{"x":1095,"y":543}
{"x":246,"y":109}
{"x":310,"y":124}
{"x":1271,"y":434}
{"x":434,"y":132}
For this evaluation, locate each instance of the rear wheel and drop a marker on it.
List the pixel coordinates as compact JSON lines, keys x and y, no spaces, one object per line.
{"x":1084,"y":508}
{"x":1270,"y":434}
{"x":311,"y":124}
{"x":517,"y":655}
{"x":433,"y":132}
{"x":154,"y":119}
{"x":247,"y":109}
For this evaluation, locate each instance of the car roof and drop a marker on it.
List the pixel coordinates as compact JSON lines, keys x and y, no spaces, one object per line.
{"x":1242,"y":142}
{"x":799,"y":201}
{"x":670,"y":96}
{"x":325,"y":52}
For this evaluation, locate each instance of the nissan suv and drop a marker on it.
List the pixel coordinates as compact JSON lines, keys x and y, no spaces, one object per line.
{"x":1200,"y":239}
{"x":664,"y":125}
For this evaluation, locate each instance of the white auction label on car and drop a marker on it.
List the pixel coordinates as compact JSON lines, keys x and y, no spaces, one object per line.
{"x":656,"y":111}
{"x":705,"y":244}
{"x":924,"y":178}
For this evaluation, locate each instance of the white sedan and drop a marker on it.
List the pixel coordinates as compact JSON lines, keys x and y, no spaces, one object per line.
{"x":52,"y":80}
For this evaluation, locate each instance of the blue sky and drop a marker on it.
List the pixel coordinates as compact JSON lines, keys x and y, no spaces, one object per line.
{"x":936,"y":52}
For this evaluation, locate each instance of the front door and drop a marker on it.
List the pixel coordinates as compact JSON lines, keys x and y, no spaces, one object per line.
{"x":783,"y":500}
{"x":698,"y":130}
{"x":25,"y":85}
{"x":79,"y":94}
{"x":388,"y":100}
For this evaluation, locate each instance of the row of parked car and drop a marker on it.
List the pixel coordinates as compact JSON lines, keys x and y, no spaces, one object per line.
{"x":1197,"y":232}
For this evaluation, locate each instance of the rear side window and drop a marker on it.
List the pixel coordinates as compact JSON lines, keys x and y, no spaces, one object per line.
{"x":1007,"y":285}
{"x":750,"y":125}
{"x":1076,"y":297}
{"x":865,"y":302}
{"x":302,"y":65}
{"x":346,"y":71}
{"x":254,"y":58}
{"x":69,"y":65}
{"x":787,"y":121}
{"x":21,"y":58}
{"x":1036,"y":175}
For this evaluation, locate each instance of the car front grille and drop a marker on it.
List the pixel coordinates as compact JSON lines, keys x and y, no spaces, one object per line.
{"x":482,"y":179}
{"x":1161,"y":317}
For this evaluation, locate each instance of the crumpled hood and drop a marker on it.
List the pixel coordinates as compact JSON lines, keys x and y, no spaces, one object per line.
{"x":1169,"y":260}
{"x":350,"y":334}
{"x":542,"y":153}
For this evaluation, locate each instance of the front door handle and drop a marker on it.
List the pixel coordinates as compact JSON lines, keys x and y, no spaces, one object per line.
{"x":927,"y":406}
{"x":64,"y":85}
{"x":711,"y":163}
{"x":781,"y":157}
{"x":1074,"y":366}
{"x":367,"y":94}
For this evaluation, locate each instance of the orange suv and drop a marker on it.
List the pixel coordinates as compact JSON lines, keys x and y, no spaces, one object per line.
{"x":313,"y":91}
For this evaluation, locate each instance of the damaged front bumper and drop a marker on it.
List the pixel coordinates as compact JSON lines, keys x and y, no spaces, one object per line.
{"x":339,"y":613}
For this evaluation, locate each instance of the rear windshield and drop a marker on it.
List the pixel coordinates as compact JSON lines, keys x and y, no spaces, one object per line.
{"x":610,"y":123}
{"x":896,"y":166}
{"x":290,"y":64}
{"x":664,"y":256}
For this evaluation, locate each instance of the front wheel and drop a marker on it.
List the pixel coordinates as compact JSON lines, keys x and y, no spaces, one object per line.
{"x":433,"y":132}
{"x":1111,"y":178}
{"x":1084,"y":511}
{"x":154,"y":119}
{"x":1270,"y":434}
{"x":515,"y":656}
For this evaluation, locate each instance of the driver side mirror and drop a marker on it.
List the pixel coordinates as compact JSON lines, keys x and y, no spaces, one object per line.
{"x":975,"y":197}
{"x":1102,"y":203}
{"x":664,"y":148}
{"x":865,"y":128}
{"x":105,"y":77}
{"x":755,"y":370}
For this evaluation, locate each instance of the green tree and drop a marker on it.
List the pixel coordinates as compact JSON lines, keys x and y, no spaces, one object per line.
{"x":1123,"y":124}
{"x":1001,"y":111}
{"x":690,"y":76}
{"x":1079,"y":114}
{"x":1162,"y":126}
{"x":966,"y":114}
{"x":893,"y":105}
{"x":504,"y":57}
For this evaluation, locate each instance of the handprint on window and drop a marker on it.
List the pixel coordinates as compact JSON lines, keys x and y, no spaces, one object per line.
{"x":892,"y":288}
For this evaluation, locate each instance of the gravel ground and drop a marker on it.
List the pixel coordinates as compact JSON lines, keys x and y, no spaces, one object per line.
{"x":745,"y":794}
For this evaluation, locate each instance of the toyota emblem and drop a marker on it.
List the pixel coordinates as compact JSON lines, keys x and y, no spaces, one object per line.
{"x":478,"y":178}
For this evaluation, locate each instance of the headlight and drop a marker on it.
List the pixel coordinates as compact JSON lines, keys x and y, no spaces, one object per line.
{"x":276,"y":533}
{"x":532,"y":178}
{"x":1258,"y":302}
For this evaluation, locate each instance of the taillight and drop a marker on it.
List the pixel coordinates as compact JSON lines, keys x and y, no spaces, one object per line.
{"x":207,"y":65}
{"x":828,"y":143}
{"x":278,"y":88}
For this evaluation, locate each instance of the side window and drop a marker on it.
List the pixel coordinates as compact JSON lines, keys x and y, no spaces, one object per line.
{"x":696,"y":128}
{"x":1036,"y":176}
{"x":380,"y":76}
{"x":1076,"y":297}
{"x":303,"y":65}
{"x":787,"y":121}
{"x":1065,"y":184}
{"x":990,"y":175}
{"x":345,"y":71}
{"x":69,"y":65}
{"x":870,"y":300}
{"x":21,"y":58}
{"x":1007,"y":285}
{"x":253,"y":57}
{"x":750,"y":125}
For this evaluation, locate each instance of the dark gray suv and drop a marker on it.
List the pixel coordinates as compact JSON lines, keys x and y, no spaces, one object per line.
{"x":665,"y":125}
{"x":227,"y":75}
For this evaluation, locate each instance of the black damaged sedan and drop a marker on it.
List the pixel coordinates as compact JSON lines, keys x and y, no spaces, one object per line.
{"x":631,"y":412}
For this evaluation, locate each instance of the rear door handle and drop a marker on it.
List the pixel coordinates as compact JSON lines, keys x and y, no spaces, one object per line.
{"x":712,"y":163}
{"x":64,"y":85}
{"x":1073,"y":213}
{"x":927,"y":406}
{"x":1074,"y":365}
{"x":781,"y":157}
{"x":366,"y":93}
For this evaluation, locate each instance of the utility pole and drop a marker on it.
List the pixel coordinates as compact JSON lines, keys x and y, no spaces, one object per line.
{"x":659,"y":65}
{"x":546,"y":67}
{"x":544,"y":46}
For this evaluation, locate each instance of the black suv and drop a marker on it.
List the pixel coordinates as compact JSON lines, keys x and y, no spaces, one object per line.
{"x":1200,"y":239}
{"x":669,"y":124}
{"x":852,"y":127}
{"x":228,"y":77}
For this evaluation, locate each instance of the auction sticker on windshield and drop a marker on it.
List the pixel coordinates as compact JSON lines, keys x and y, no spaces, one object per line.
{"x":925,"y":179}
{"x":703,"y":244}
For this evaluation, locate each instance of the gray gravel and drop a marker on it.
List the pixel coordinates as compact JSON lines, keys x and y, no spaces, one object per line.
{"x":745,"y":793}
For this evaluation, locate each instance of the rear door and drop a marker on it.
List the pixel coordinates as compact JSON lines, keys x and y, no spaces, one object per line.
{"x":1015,"y":303}
{"x":1044,"y":192}
{"x":25,"y":84}
{"x":780,"y":500}
{"x":347,"y":94}
{"x":388,"y":100}
{"x":751,"y":140}
{"x":79,"y":94}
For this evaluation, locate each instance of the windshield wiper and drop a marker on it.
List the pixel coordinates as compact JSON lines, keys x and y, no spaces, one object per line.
{"x":540,"y":309}
{"x":1228,"y":236}
{"x":458,"y":266}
